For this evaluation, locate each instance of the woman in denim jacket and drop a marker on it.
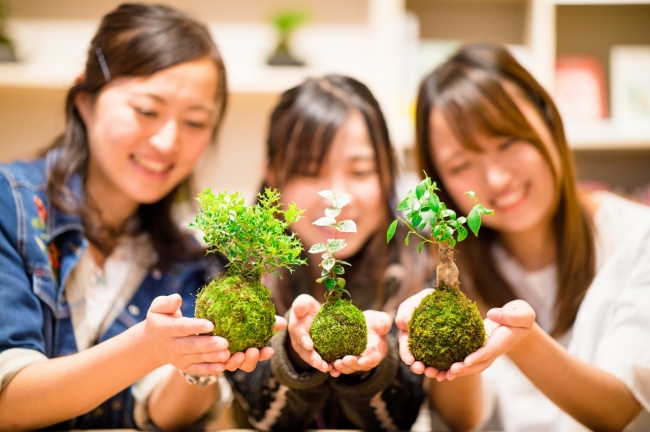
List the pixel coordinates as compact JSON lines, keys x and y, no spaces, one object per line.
{"x":88,"y":244}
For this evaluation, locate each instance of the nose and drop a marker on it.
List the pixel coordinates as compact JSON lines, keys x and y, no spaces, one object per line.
{"x":497,"y":176}
{"x":166,"y":137}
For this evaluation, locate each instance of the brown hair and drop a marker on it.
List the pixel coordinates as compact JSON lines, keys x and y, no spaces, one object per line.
{"x":468,"y":90}
{"x":301,"y":131}
{"x":133,"y":40}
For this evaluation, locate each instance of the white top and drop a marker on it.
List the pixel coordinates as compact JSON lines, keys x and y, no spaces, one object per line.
{"x":96,"y":296}
{"x":611,"y":330}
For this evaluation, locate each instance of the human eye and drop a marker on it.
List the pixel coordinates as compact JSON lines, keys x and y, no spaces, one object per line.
{"x":460,"y":167}
{"x":196,"y":125}
{"x":145,"y":112}
{"x":507,"y":144}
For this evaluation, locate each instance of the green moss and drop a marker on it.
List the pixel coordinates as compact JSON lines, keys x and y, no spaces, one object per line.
{"x":445,"y":328}
{"x":339,"y":329}
{"x":241,"y":310}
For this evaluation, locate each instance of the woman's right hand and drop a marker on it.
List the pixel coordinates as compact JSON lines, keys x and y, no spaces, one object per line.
{"x":301,"y":315}
{"x":181,"y":341}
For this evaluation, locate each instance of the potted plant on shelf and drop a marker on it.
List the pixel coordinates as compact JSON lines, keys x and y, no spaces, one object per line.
{"x":285,"y":24}
{"x":254,"y":239}
{"x":339,"y":328}
{"x":7,"y":53}
{"x":446,"y":326}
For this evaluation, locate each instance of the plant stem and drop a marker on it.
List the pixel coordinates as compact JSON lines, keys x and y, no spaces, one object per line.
{"x":415,"y":232}
{"x":446,"y":270}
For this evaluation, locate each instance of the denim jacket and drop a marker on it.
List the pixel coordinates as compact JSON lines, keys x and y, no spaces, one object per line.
{"x":39,"y":247}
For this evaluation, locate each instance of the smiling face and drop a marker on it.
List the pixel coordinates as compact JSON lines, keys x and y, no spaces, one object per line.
{"x":349,"y":167}
{"x":508,"y":174}
{"x":145,"y":134}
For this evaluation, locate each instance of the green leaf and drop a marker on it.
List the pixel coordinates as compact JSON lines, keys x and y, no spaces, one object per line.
{"x":341,"y":283}
{"x":331,"y":283}
{"x":391,"y":230}
{"x":474,"y":220}
{"x":452,"y":242}
{"x":343,"y":262}
{"x":448,"y":213}
{"x":483,"y":210}
{"x":346,"y":226}
{"x":472,"y":194}
{"x":405,"y":205}
{"x":328,"y":263}
{"x":416,"y":220}
{"x":420,"y":190}
{"x":461,"y":220}
{"x":434,"y":202}
{"x":317,"y":248}
{"x":338,"y":269}
{"x":420,"y":246}
{"x":462,"y":233}
{"x":406,"y":240}
{"x":325,"y":221}
{"x":324,"y":272}
{"x":321,"y":279}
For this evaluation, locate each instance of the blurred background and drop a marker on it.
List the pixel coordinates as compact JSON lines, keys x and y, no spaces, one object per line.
{"x":592,"y":55}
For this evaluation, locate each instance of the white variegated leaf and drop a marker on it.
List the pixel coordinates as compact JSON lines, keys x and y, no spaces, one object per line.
{"x":341,"y":200}
{"x":336,"y":245}
{"x":328,"y":264}
{"x":332,"y":212}
{"x":325,"y":221}
{"x":317,"y":248}
{"x":326,"y":255}
{"x":346,"y":226}
{"x":327,"y":194}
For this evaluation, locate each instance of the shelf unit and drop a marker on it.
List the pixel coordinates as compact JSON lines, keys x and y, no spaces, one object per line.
{"x":537,"y":31}
{"x":375,"y":41}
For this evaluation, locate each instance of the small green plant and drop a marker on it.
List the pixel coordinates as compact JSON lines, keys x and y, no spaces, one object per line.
{"x":446,"y":327}
{"x":254,"y":239}
{"x":285,"y":23}
{"x":339,"y":328}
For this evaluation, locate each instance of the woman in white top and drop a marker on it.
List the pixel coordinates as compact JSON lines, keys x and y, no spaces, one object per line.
{"x":566,"y":275}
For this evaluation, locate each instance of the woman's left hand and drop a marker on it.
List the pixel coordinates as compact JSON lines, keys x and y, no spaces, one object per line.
{"x":505,"y":328}
{"x":379,"y":324}
{"x":247,"y":361}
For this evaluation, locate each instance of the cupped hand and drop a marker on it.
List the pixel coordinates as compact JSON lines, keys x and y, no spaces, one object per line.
{"x":301,"y":315}
{"x":379,"y":324}
{"x":404,"y":313}
{"x":505,"y":328}
{"x":181,"y":341}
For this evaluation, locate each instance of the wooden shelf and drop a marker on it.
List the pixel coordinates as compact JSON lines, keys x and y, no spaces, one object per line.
{"x":608,"y":134}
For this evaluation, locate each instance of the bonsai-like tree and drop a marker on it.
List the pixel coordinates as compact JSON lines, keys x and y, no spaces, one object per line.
{"x":254,"y":239}
{"x":446,"y":326}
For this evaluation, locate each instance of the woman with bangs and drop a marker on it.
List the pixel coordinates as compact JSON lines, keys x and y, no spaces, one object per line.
{"x":95,"y":273}
{"x":330,"y":133}
{"x":563,"y":276}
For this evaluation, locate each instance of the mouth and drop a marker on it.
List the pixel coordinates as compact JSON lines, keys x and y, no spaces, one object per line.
{"x":152,"y":166}
{"x":511,"y":199}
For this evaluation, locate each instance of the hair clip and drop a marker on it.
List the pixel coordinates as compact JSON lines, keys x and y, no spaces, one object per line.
{"x":102,"y":63}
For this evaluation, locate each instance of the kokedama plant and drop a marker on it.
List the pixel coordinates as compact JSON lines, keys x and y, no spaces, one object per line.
{"x":446,"y":326}
{"x":255,"y":241}
{"x":339,"y":328}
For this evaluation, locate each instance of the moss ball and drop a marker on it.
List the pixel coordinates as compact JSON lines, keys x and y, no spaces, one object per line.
{"x":241,"y":310}
{"x":339,"y":329}
{"x":445,"y":328}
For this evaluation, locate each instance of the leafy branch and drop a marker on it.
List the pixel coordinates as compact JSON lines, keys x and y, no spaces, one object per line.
{"x":332,"y":267}
{"x":253,"y":238}
{"x":424,"y":208}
